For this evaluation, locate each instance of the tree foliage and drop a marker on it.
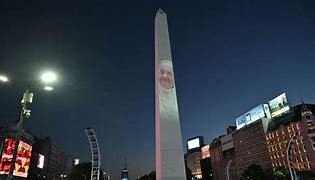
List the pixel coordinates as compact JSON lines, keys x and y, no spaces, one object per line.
{"x":254,"y":172}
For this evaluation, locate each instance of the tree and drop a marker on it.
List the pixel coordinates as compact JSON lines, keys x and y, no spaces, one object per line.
{"x":280,"y":173}
{"x":80,"y":171}
{"x":254,"y":172}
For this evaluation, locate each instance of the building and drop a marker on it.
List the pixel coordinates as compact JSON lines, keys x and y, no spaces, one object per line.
{"x":251,"y":148}
{"x":300,"y":121}
{"x":223,"y":156}
{"x":124,"y":174}
{"x":217,"y":159}
{"x":193,"y":156}
{"x":48,"y":161}
{"x":205,"y":163}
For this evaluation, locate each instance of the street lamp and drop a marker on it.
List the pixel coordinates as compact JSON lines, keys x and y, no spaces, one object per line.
{"x":3,"y":78}
{"x":24,"y":112}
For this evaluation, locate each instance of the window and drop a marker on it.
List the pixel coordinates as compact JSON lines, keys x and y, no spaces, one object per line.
{"x":289,"y":129}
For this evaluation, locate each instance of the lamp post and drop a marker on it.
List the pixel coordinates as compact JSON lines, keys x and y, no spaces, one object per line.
{"x":25,"y":113}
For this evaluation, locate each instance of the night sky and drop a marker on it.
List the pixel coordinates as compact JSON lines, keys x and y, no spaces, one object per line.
{"x":229,"y":56}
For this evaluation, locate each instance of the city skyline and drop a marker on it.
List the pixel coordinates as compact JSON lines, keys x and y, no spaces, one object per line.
{"x":228,"y":58}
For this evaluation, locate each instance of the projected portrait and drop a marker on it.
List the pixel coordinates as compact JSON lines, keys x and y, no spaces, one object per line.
{"x":166,"y":77}
{"x":168,"y":105}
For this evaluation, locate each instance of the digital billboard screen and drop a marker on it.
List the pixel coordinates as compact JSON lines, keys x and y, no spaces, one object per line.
{"x":76,"y":161}
{"x":279,"y":105}
{"x":41,"y":160}
{"x":205,"y":152}
{"x":194,"y":143}
{"x":251,"y":116}
{"x":23,"y":157}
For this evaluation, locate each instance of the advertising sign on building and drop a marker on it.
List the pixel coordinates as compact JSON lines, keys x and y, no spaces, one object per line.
{"x":279,"y":105}
{"x":194,"y":143}
{"x":40,"y":163}
{"x":227,"y":142}
{"x":251,"y":116}
{"x":76,"y":161}
{"x":22,"y":161}
{"x":205,"y":152}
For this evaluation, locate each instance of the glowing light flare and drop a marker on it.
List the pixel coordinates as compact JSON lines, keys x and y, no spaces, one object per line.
{"x":48,"y":77}
{"x":3,"y":78}
{"x":48,"y":88}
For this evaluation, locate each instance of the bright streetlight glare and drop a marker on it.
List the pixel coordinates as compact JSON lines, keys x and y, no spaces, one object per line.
{"x":4,"y":78}
{"x":48,"y":88}
{"x":48,"y":77}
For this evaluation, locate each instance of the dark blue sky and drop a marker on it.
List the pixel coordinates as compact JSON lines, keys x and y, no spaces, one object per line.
{"x":229,"y":56}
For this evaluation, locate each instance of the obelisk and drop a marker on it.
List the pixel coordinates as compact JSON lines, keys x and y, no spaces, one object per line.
{"x":169,"y":148}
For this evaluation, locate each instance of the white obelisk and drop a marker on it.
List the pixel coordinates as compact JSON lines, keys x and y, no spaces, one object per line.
{"x":169,"y":150}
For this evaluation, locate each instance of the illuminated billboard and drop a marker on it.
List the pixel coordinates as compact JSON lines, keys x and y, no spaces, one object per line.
{"x":279,"y":105}
{"x":251,"y":116}
{"x":23,"y":157}
{"x":194,"y":143}
{"x":205,"y":152}
{"x":76,"y":161}
{"x":41,"y":160}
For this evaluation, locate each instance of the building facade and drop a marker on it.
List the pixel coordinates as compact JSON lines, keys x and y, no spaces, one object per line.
{"x":301,"y":123}
{"x":54,"y":161}
{"x":251,"y":148}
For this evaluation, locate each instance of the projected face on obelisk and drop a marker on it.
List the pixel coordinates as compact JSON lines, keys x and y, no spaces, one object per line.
{"x":166,"y":77}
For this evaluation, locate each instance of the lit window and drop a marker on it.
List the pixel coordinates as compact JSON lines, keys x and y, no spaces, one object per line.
{"x":277,"y":133}
{"x":282,"y":131}
{"x":289,"y":130}
{"x":297,"y":126}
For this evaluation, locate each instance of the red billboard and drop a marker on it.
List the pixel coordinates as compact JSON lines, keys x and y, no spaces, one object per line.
{"x":23,"y":157}
{"x":205,"y":152}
